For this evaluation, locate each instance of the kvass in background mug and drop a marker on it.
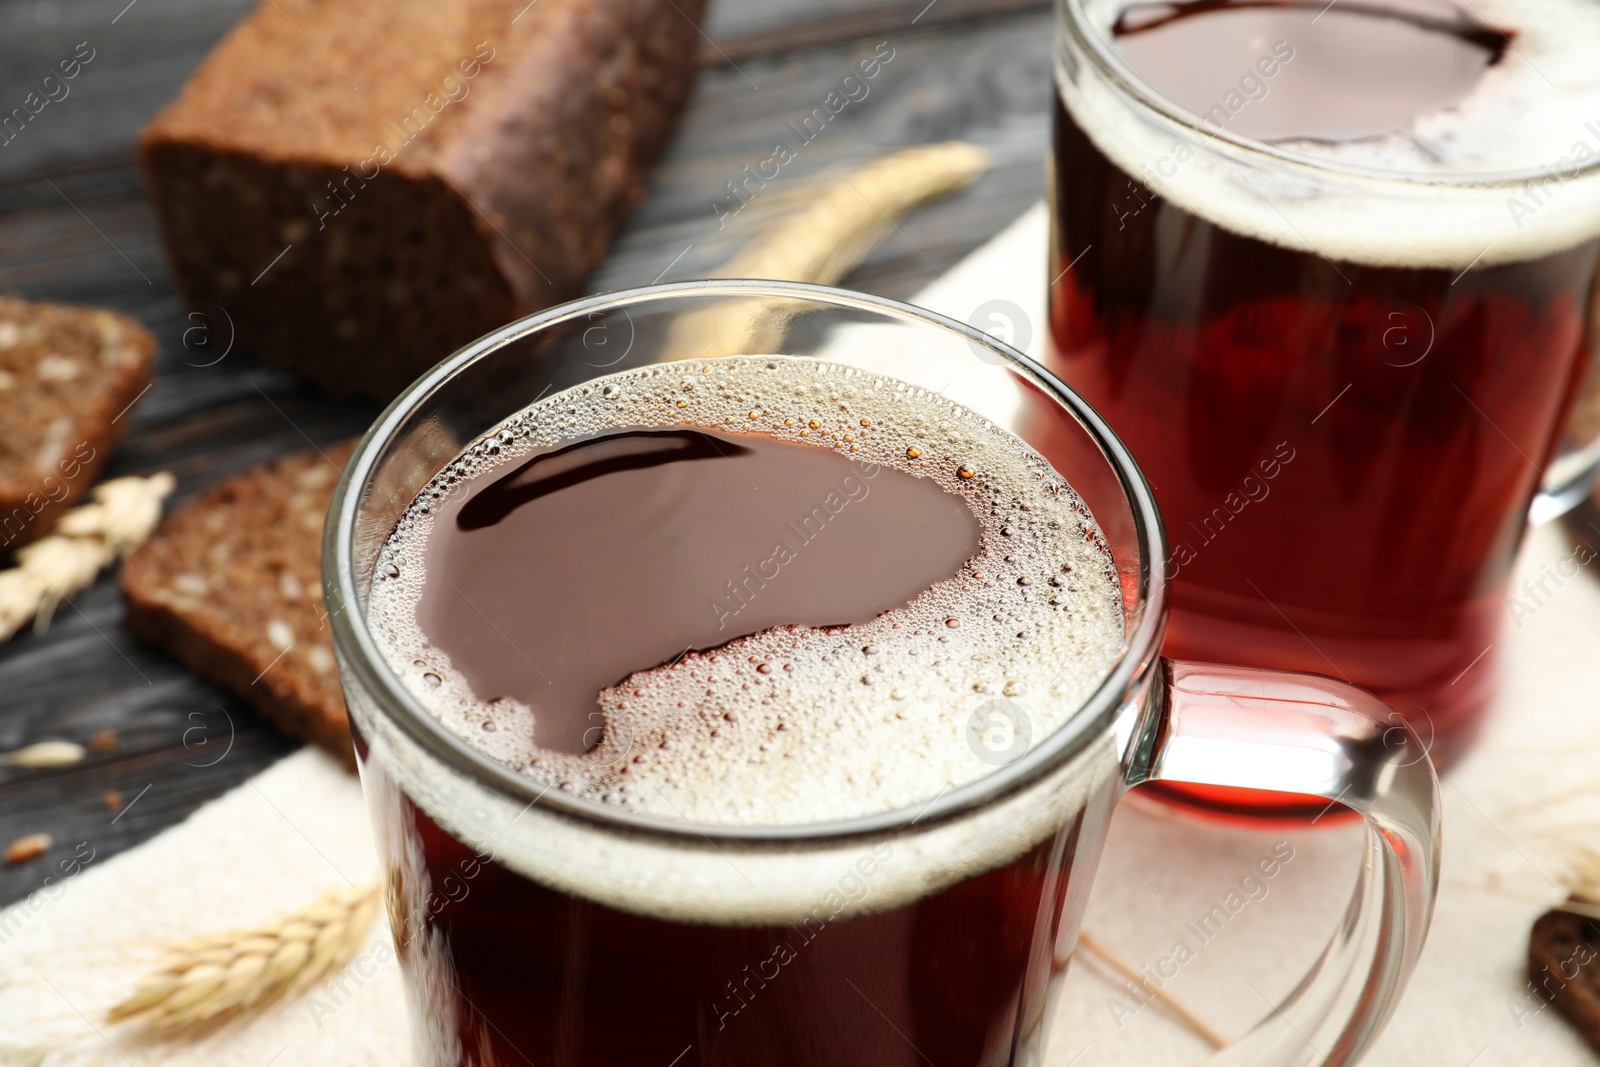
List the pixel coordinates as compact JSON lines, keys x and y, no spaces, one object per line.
{"x":1329,"y":271}
{"x":865,"y":839}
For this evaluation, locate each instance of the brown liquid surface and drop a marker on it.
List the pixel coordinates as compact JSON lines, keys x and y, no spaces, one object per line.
{"x":661,"y":542}
{"x":1286,"y":71}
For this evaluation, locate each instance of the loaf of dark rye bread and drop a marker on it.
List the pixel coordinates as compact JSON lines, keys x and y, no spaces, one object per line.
{"x":231,"y":584}
{"x":68,"y":376}
{"x":367,"y":185}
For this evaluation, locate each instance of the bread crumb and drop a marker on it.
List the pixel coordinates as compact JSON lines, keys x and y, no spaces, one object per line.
{"x":112,"y":799}
{"x":28,"y":847}
{"x":103,"y":740}
{"x":43,"y":755}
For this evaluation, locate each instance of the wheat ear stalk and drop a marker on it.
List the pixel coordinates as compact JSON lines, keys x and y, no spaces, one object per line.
{"x":120,"y":517}
{"x":849,"y":216}
{"x":1583,"y":881}
{"x":846,"y":218}
{"x":206,"y":979}
{"x":1179,"y":1010}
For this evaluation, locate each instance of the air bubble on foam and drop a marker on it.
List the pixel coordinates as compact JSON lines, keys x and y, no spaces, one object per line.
{"x":785,"y":727}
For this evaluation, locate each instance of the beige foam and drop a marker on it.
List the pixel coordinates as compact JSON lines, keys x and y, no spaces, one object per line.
{"x":1528,"y":116}
{"x":802,"y":725}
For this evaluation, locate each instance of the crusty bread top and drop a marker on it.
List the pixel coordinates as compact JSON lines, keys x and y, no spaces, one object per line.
{"x":318,"y":82}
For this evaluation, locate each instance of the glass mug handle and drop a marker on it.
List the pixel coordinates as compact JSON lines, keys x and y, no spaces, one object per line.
{"x":1575,"y":467}
{"x":1298,"y":733}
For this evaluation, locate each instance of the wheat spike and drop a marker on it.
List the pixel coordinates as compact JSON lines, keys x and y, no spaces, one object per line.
{"x":851,"y":215}
{"x":206,"y":979}
{"x":824,"y":242}
{"x":1583,"y":880}
{"x":121,"y":516}
{"x":123,"y":513}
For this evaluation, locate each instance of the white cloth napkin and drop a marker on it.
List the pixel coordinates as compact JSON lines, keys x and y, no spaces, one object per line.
{"x":1515,"y":812}
{"x":269,"y":847}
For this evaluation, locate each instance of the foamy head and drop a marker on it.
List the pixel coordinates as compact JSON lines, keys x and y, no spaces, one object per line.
{"x":801,"y":725}
{"x":1432,"y":195}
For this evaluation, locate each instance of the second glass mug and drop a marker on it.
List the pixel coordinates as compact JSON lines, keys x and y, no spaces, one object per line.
{"x":1322,"y":409}
{"x":543,"y":928}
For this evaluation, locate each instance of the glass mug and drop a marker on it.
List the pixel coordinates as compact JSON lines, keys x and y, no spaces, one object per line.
{"x":1317,"y":423}
{"x":540,"y":927}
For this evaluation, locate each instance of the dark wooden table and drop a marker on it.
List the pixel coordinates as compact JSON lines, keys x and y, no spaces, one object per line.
{"x":74,"y":226}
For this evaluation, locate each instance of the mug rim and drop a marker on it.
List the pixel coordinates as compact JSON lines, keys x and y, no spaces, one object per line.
{"x":1131,"y":86}
{"x":361,"y":662}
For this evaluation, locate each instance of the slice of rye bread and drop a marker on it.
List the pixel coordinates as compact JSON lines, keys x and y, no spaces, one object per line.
{"x":231,"y":584}
{"x":1564,"y":968}
{"x":67,"y":375}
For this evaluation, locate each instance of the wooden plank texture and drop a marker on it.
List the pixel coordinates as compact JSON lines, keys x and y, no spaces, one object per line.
{"x":74,"y":226}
